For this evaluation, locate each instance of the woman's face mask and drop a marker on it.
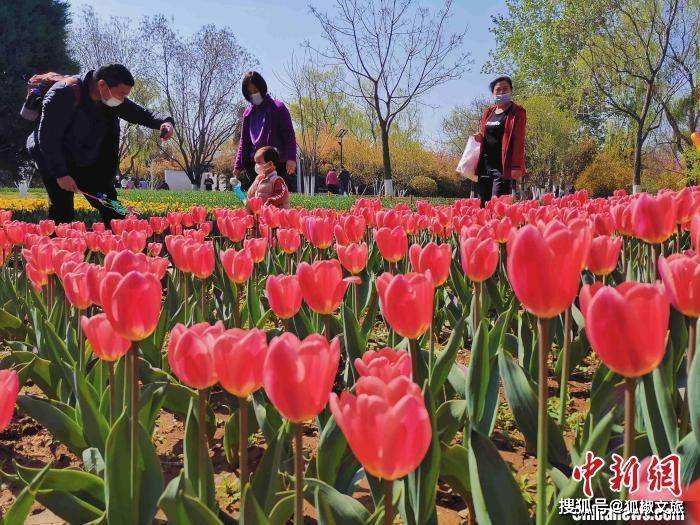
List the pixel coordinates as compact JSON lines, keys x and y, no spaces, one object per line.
{"x":256,"y":99}
{"x":502,"y":98}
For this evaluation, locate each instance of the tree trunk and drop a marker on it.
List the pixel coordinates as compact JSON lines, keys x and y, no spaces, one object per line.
{"x":637,"y":169}
{"x":388,"y":184}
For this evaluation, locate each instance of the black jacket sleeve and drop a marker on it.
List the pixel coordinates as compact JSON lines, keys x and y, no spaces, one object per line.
{"x":56,"y":115}
{"x":132,"y":112}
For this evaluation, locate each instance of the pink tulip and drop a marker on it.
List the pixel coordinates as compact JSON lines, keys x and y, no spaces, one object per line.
{"x":353,"y":257}
{"x":479,"y":257}
{"x":257,"y":248}
{"x":191,"y":353}
{"x":283,"y":292}
{"x":604,"y":254}
{"x":544,"y":268}
{"x":105,"y":342}
{"x":238,"y":265}
{"x":298,"y":375}
{"x":392,"y":243}
{"x":239,"y":358}
{"x":434,"y":257}
{"x":681,"y":277}
{"x":653,"y":218}
{"x":77,"y":289}
{"x":386,"y":425}
{"x":386,"y":364}
{"x":323,"y":286}
{"x":9,"y":390}
{"x":288,"y":240}
{"x":406,"y":302}
{"x":627,"y":327}
{"x":132,"y":303}
{"x":200,"y":258}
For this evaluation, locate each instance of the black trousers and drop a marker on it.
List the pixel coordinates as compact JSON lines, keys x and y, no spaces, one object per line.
{"x":492,"y":184}
{"x":94,"y":179}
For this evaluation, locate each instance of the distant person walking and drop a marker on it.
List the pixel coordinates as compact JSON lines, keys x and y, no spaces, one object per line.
{"x":76,"y":144}
{"x":332,"y":181}
{"x":344,"y":181}
{"x":266,"y":122}
{"x":208,"y":184}
{"x":502,"y":138}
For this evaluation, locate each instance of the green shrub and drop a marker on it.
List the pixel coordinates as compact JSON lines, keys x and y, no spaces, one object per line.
{"x":423,"y":186}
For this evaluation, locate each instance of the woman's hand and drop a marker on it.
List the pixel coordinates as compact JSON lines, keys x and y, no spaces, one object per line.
{"x":478,"y":137}
{"x":166,"y":130}
{"x":291,"y":166}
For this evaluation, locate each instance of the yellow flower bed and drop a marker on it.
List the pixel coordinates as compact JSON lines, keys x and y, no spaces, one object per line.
{"x":38,"y":204}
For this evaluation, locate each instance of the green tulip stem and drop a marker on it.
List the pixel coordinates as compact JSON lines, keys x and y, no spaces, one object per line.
{"x":431,"y":352}
{"x":542,"y":328}
{"x":692,"y":342}
{"x":355,"y":305}
{"x":628,"y":442}
{"x":388,"y":502}
{"x":204,"y":288}
{"x":185,"y":297}
{"x":79,"y":337}
{"x":236,"y":306}
{"x":133,"y":380}
{"x":298,"y":475}
{"x":566,"y":357}
{"x":327,"y":326}
{"x":243,"y":439}
{"x":476,"y":314}
{"x":112,"y":393}
{"x":203,"y":451}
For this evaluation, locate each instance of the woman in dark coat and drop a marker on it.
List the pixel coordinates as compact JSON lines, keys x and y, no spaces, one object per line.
{"x":266,"y":122}
{"x":502,"y":138}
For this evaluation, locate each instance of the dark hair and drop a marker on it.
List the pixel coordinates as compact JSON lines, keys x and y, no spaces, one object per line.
{"x":114,"y":74}
{"x":255,"y":78}
{"x":269,"y":154}
{"x":503,"y":78}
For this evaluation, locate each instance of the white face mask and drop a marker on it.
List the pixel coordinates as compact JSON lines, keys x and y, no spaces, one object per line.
{"x":112,"y":101}
{"x":256,"y":98}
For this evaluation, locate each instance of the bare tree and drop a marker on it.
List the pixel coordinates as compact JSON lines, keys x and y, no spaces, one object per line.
{"x":200,"y":79}
{"x":462,"y":122}
{"x":317,"y":104}
{"x":394,"y":52}
{"x":625,"y":61}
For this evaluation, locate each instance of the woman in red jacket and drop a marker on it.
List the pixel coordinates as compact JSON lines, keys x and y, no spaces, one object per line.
{"x":502,"y":138}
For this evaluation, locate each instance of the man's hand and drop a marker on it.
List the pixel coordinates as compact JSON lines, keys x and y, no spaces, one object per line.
{"x":166,"y":130}
{"x":67,"y":183}
{"x":291,"y":166}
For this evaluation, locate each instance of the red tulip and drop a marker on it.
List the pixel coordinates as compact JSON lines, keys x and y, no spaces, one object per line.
{"x":479,"y":257}
{"x":200,"y":259}
{"x":627,"y":327}
{"x":238,"y":265}
{"x":406,"y":302}
{"x":154,"y":248}
{"x":36,"y":277}
{"x":653,"y":218}
{"x":586,"y":294}
{"x":134,"y":240}
{"x":255,"y":205}
{"x":77,"y":289}
{"x":284,"y":295}
{"x":9,"y":390}
{"x":46,"y":227}
{"x":288,"y":240}
{"x":319,"y":231}
{"x":434,"y":257}
{"x":392,"y":243}
{"x":158,"y":224}
{"x":323,"y":286}
{"x":233,"y":228}
{"x":257,"y":248}
{"x":681,"y":277}
{"x":191,"y":354}
{"x":386,"y":364}
{"x":298,"y":375}
{"x":125,"y":261}
{"x":544,"y":268}
{"x":132,"y":303}
{"x":239,"y":358}
{"x":105,"y":342}
{"x":353,"y":257}
{"x":695,"y":233}
{"x":199,"y":214}
{"x":350,"y":229}
{"x":604,"y":254}
{"x":386,"y":425}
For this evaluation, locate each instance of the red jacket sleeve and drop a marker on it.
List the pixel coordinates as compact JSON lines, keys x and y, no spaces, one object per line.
{"x":518,"y":158}
{"x":279,"y":193}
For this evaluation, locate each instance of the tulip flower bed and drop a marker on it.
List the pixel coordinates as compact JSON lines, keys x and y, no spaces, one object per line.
{"x":368,"y":366}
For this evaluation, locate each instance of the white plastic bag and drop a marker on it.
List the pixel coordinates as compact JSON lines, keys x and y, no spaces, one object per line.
{"x":470,"y":160}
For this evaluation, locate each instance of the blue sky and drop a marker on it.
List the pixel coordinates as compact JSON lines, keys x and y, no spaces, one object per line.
{"x":271,"y":29}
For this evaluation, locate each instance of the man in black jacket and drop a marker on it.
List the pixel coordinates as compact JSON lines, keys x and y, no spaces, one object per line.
{"x":76,"y":144}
